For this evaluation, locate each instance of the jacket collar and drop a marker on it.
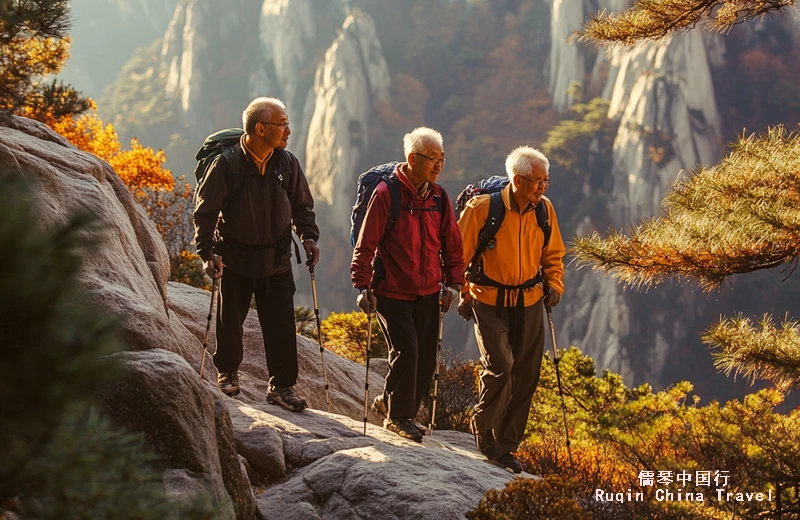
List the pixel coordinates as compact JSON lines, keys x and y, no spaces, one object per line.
{"x":400,"y":171}
{"x":511,"y":204}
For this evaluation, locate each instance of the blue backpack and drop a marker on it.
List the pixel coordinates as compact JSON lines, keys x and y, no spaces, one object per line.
{"x":367,"y":182}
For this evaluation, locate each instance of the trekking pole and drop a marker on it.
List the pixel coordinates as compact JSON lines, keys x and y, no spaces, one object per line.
{"x":208,"y":325}
{"x":432,"y":425}
{"x":319,"y":337}
{"x":366,"y":381}
{"x":556,"y":361}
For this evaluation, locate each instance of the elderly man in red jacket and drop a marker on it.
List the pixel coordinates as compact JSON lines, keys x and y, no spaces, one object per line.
{"x":412,"y":257}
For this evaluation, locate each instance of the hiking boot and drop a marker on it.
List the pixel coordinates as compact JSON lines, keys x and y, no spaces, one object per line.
{"x":228,"y":383}
{"x":379,"y":406}
{"x":286,"y":398}
{"x":484,"y":441}
{"x":508,"y":462}
{"x":404,"y":428}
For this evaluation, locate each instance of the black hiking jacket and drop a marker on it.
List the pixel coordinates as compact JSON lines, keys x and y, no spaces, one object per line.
{"x":248,"y":218}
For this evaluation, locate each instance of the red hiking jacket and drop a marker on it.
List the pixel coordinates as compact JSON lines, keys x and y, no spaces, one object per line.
{"x":410,"y":250}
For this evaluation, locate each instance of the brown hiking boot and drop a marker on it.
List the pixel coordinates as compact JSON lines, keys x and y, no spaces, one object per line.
{"x":228,"y":383}
{"x":404,"y":428}
{"x":286,"y":398}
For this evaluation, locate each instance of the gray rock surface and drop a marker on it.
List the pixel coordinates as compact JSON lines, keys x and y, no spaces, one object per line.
{"x":184,"y":420}
{"x":333,"y":472}
{"x":129,"y":271}
{"x":663,"y":97}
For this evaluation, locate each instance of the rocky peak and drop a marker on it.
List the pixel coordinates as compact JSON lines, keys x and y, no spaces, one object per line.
{"x":204,"y":52}
{"x":664,"y":99}
{"x":353,"y":75}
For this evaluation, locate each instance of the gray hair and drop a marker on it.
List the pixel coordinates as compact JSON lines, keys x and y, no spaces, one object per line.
{"x":415,"y":140}
{"x":260,"y":109}
{"x":522,"y":160}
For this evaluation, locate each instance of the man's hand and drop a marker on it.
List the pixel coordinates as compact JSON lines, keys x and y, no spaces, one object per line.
{"x":312,"y":252}
{"x":366,"y":301}
{"x":465,"y":308}
{"x":447,"y":298}
{"x":552,"y":299}
{"x":213,"y":266}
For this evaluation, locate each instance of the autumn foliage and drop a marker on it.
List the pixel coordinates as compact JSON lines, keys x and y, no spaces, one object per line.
{"x":617,"y":432}
{"x":345,"y":334}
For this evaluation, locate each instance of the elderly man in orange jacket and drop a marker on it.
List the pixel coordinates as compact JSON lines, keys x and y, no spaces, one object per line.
{"x":506,"y":299}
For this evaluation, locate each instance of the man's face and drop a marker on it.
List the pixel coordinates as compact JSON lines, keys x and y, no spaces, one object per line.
{"x":533,"y":185}
{"x":274,"y":130}
{"x":430,"y":161}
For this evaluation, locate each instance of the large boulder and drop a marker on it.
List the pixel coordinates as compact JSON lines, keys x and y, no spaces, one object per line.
{"x":127,"y":273}
{"x":186,"y":422}
{"x":321,"y":466}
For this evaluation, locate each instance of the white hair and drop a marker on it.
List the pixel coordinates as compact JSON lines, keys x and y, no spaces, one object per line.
{"x":415,"y":140}
{"x":260,"y":109}
{"x":522,"y":160}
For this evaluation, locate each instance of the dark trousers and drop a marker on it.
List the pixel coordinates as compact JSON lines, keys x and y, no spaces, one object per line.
{"x":512,"y":347}
{"x":411,"y":329}
{"x":275,"y":307}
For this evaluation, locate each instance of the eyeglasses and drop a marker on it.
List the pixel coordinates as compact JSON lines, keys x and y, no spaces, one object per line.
{"x":539,"y":184}
{"x":436,"y":162}
{"x":281,"y":125}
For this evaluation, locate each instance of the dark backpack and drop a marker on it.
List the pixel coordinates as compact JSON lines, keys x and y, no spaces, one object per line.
{"x":497,"y":213}
{"x":367,"y":182}
{"x":214,"y":145}
{"x":224,"y":143}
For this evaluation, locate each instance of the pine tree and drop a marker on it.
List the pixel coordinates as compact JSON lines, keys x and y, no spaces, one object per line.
{"x":33,"y":44}
{"x":740,"y":216}
{"x":657,"y":19}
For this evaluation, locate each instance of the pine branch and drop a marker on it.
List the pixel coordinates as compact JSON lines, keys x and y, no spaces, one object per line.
{"x":740,"y":216}
{"x":758,"y":352}
{"x":657,"y":19}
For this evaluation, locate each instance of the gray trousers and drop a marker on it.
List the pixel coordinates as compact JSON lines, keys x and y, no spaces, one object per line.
{"x":511,"y":348}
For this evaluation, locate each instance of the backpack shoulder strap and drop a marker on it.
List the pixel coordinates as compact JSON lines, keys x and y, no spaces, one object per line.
{"x":497,"y":213}
{"x":393,"y":183}
{"x":440,"y":205}
{"x":285,"y":168}
{"x":235,"y":180}
{"x":543,"y":219}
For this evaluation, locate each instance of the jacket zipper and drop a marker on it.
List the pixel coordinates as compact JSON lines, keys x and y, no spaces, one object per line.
{"x":422,"y":250}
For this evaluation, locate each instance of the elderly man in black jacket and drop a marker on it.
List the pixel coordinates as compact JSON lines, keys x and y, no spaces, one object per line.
{"x":246,"y":206}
